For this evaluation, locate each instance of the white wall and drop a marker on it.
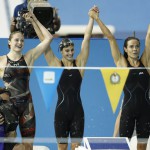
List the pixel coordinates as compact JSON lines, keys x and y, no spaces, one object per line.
{"x":6,"y":12}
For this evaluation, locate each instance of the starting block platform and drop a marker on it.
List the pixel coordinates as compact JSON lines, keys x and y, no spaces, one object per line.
{"x":40,"y":148}
{"x":106,"y":143}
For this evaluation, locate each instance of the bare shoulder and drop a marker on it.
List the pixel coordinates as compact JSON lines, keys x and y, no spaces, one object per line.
{"x":145,"y":61}
{"x":28,"y":58}
{"x":122,"y":62}
{"x":80,"y":62}
{"x":56,"y":62}
{"x":3,"y":60}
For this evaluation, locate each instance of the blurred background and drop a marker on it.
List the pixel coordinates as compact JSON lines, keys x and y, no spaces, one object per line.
{"x":122,"y":17}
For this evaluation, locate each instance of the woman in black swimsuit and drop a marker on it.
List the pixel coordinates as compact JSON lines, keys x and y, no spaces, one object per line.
{"x":136,"y":104}
{"x":69,"y":114}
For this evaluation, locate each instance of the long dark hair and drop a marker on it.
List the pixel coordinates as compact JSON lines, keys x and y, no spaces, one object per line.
{"x":126,"y":43}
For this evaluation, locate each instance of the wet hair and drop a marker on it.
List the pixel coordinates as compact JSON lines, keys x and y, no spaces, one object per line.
{"x":126,"y":43}
{"x":65,"y":43}
{"x":11,"y":35}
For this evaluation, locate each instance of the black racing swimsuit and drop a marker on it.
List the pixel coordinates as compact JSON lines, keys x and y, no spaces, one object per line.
{"x":16,"y":79}
{"x":69,"y":114}
{"x":136,"y":104}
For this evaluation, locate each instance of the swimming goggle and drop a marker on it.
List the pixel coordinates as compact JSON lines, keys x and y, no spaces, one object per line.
{"x":65,"y":43}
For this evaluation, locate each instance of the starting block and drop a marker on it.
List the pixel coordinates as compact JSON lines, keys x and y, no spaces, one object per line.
{"x":106,"y":143}
{"x":40,"y":148}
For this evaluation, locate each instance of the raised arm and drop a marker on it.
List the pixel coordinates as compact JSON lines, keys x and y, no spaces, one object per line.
{"x":44,"y":36}
{"x":83,"y":55}
{"x":117,"y":56}
{"x":13,"y":25}
{"x":51,"y":59}
{"x":146,"y":54}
